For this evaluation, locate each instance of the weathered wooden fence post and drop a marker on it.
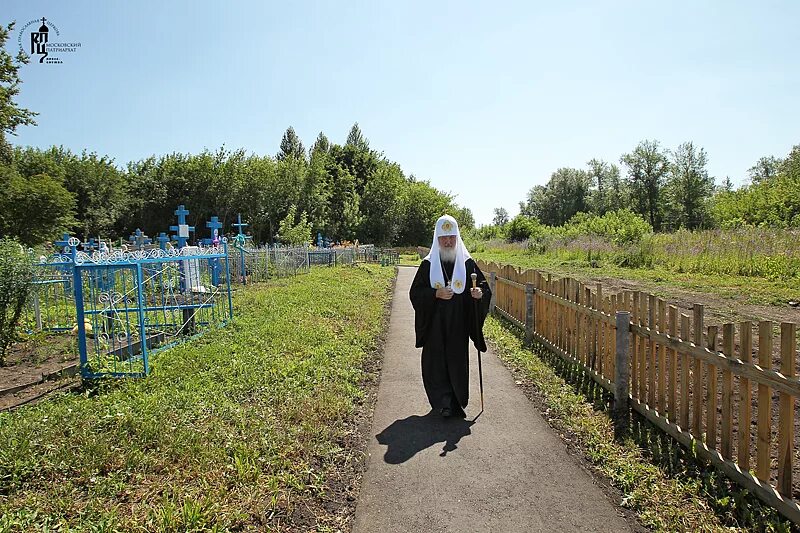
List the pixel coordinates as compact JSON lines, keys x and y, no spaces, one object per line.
{"x":493,"y":287}
{"x":529,"y":317}
{"x":622,"y":374}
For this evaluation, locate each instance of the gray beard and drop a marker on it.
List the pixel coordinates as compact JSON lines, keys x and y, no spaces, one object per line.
{"x":447,"y":255}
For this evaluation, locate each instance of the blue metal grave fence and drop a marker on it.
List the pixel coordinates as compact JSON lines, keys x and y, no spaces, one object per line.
{"x":130,"y":305}
{"x":51,"y":306}
{"x":258,"y":264}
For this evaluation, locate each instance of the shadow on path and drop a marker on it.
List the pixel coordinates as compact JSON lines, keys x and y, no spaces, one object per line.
{"x":405,"y":437}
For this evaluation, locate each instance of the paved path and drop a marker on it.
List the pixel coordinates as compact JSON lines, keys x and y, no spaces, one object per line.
{"x":505,"y":472}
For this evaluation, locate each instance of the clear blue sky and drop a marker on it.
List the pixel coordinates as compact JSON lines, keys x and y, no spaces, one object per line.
{"x":483,"y":99}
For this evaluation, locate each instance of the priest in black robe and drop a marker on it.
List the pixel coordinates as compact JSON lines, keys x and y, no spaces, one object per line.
{"x":448,"y":313}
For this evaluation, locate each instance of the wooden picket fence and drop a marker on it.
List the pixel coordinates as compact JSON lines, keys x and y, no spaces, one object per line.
{"x":667,"y":366}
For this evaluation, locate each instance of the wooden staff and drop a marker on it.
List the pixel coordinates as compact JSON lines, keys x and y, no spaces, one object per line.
{"x":474,"y":277}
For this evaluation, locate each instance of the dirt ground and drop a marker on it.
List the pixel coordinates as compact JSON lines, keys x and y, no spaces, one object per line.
{"x":28,"y":361}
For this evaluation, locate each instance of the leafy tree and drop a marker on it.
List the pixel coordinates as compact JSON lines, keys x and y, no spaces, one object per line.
{"x":345,"y":215}
{"x":33,"y":209}
{"x":647,"y":168}
{"x":766,"y":168}
{"x":317,"y":190}
{"x":500,"y":216}
{"x":423,"y":206}
{"x":689,"y":186}
{"x":464,"y":217}
{"x":321,"y":144}
{"x":610,"y":193}
{"x":382,"y":205}
{"x":356,"y":139}
{"x":291,"y":146}
{"x":523,"y":227}
{"x":564,"y":195}
{"x":11,"y":114}
{"x":16,"y":275}
{"x":295,"y":233}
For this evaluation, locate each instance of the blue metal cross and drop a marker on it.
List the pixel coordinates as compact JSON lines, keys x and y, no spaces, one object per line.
{"x":182,"y":212}
{"x":214,"y":224}
{"x":139,"y":239}
{"x":63,"y":243}
{"x":90,"y":245}
{"x":239,"y":224}
{"x":162,"y":239}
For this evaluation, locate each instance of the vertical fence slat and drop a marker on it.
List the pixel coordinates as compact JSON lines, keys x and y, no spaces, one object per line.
{"x":726,"y":436}
{"x":635,"y":346}
{"x":697,"y":387}
{"x":642,"y":350}
{"x":786,"y":410}
{"x":764,"y":400}
{"x":673,"y":365}
{"x":651,"y":366}
{"x":662,"y":358}
{"x":684,"y":374}
{"x":745,"y":408}
{"x":711,"y":403}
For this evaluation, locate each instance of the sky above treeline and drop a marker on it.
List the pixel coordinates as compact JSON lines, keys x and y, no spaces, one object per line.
{"x":482,"y":99}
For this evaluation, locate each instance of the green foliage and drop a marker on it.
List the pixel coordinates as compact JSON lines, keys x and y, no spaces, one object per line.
{"x":523,"y":227}
{"x":291,"y":146}
{"x":773,"y":200}
{"x":16,"y":275}
{"x":647,"y":167}
{"x":500,"y":216}
{"x":11,"y":115}
{"x":347,"y":192}
{"x":688,"y":187}
{"x":239,"y":430}
{"x":622,"y":227}
{"x":33,"y":209}
{"x":566,"y":194}
{"x":423,"y":206}
{"x":295,"y":233}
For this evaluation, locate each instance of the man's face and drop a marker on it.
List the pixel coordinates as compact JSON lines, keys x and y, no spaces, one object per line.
{"x":448,"y":241}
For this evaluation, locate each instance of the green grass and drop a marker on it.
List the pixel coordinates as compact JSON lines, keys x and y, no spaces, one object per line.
{"x":409,"y":259}
{"x":742,"y":289}
{"x":667,"y":488}
{"x":248,"y":427}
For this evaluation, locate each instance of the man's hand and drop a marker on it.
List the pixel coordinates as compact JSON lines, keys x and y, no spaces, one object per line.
{"x":476,"y":293}
{"x":445,"y":293}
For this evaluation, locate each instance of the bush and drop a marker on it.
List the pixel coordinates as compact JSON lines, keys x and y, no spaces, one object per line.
{"x":523,"y":228}
{"x":16,"y":275}
{"x":622,"y":227}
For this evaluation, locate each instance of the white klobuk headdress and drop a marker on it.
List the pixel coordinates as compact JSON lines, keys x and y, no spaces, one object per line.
{"x":446,"y":226}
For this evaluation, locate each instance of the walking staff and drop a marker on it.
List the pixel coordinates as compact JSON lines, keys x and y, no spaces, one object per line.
{"x":474,"y":277}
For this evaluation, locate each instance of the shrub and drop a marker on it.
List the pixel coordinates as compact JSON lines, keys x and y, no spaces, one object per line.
{"x":16,"y":275}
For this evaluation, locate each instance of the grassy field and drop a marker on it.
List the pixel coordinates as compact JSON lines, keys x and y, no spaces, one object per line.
{"x":663,"y":484}
{"x":748,"y":290}
{"x":249,"y":427}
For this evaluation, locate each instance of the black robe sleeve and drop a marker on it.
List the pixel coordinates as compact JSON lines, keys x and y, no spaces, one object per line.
{"x":423,"y":299}
{"x":479,"y":308}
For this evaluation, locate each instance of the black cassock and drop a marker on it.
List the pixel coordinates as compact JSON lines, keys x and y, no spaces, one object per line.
{"x":444,"y":328}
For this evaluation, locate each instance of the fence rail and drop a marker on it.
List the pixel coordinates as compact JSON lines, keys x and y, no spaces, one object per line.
{"x":669,"y":367}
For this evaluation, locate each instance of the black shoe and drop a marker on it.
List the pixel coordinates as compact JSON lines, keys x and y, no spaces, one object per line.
{"x":445,"y":411}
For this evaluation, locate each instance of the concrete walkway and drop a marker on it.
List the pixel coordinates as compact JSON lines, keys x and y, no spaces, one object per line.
{"x":505,"y":472}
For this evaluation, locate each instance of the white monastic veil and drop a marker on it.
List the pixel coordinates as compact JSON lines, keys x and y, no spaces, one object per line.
{"x":445,"y":226}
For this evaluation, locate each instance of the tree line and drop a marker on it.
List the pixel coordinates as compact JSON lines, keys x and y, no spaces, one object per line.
{"x":670,"y":190}
{"x":346,"y":192}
